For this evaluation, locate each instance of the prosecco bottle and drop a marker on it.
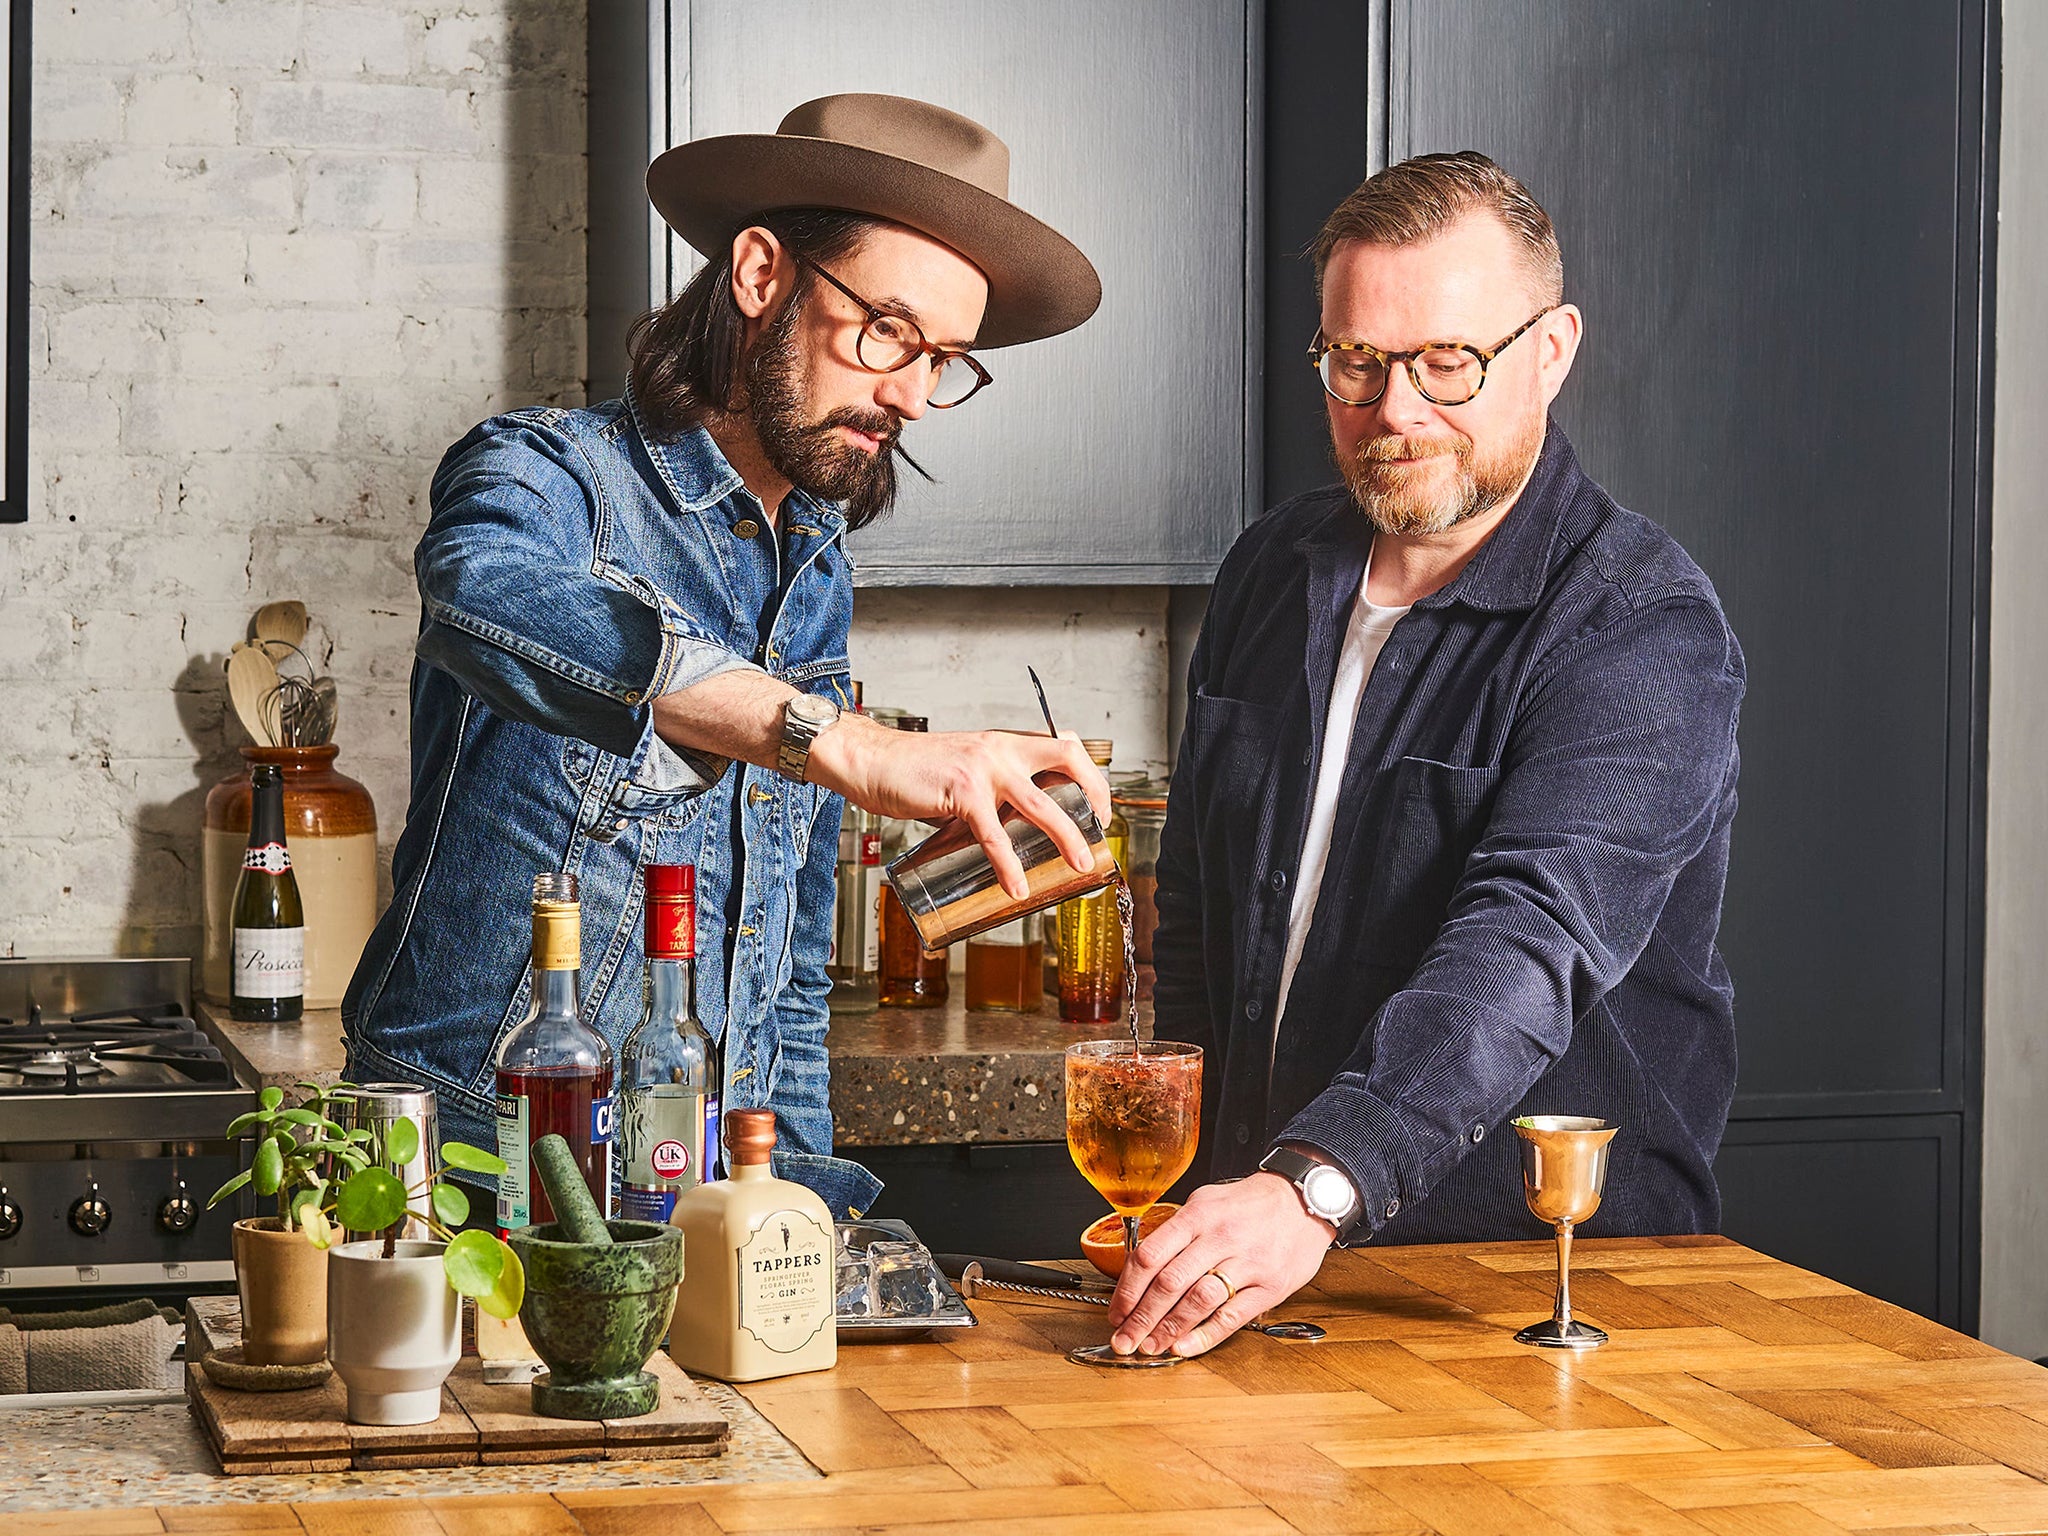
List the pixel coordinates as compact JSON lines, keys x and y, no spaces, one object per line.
{"x":269,"y":981}
{"x":554,"y":1071}
{"x":669,"y":1077}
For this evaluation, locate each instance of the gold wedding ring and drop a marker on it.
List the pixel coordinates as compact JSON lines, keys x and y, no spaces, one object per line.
{"x":1227,"y":1300}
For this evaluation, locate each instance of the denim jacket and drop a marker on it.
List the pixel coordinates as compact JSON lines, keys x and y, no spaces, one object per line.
{"x":1525,"y":872}
{"x":573,"y":570}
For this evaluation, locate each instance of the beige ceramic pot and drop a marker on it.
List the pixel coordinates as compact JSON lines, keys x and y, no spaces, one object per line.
{"x":283,"y":1280}
{"x":330,"y":826}
{"x":394,"y":1330}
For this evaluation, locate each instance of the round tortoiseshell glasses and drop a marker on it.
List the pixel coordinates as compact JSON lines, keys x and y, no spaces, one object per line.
{"x":890,"y":341}
{"x":1443,"y":372}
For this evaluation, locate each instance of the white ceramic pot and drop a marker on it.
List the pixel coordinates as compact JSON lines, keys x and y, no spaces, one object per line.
{"x":394,"y":1329}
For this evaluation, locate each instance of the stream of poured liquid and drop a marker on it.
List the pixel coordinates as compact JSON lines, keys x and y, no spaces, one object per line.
{"x":1126,"y":914}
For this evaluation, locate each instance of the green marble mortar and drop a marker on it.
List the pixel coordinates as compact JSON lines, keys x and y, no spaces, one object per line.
{"x":595,"y":1314}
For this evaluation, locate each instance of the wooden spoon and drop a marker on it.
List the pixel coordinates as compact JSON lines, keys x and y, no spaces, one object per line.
{"x":252,"y":689}
{"x":281,"y":621}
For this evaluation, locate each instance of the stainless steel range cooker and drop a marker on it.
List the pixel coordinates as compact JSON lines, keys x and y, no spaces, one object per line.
{"x":112,"y":1104}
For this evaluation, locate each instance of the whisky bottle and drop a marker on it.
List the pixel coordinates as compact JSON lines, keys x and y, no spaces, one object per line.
{"x":669,"y":1078}
{"x":270,"y":924}
{"x":759,"y":1267}
{"x":554,"y":1071}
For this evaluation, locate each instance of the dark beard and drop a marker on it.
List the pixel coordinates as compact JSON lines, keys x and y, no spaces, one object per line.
{"x":811,"y":455}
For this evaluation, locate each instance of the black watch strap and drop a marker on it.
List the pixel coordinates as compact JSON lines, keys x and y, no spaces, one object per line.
{"x":1296,"y":1167}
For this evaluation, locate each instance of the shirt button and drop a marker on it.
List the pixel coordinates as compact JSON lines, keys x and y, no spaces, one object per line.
{"x":1244,"y":1133}
{"x":1306,"y":756}
{"x":1277,"y":880}
{"x":756,"y":795}
{"x":746,"y":528}
{"x":1393,"y":1209}
{"x":1478,"y":1134}
{"x":1253,"y":1009}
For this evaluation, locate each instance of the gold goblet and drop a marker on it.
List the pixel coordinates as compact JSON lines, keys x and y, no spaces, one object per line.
{"x":1564,"y":1167}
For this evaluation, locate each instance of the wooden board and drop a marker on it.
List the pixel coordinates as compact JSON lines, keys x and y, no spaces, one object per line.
{"x":308,"y":1431}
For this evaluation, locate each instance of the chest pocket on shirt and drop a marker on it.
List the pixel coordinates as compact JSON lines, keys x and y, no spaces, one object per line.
{"x":1229,"y":747}
{"x":610,"y":806}
{"x":1436,"y":813}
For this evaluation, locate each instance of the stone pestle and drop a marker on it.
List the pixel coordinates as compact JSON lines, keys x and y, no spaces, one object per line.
{"x":576,"y":1212}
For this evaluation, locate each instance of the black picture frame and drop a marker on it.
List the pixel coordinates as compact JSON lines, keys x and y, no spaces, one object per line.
{"x":14,"y":492}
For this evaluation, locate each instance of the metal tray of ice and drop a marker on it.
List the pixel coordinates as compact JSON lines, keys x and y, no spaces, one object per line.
{"x":889,"y":1290}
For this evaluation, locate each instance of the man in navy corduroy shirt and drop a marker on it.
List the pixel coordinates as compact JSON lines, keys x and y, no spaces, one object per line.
{"x":1449,"y":826}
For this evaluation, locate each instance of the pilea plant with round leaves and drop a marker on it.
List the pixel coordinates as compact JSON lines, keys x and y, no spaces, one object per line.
{"x":299,"y":1153}
{"x":374,"y":1199}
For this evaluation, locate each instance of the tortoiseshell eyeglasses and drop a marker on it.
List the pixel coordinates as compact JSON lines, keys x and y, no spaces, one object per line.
{"x":888,"y":342}
{"x":1443,"y":372}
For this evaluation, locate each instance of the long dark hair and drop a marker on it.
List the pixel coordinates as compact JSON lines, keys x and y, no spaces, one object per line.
{"x":685,"y":358}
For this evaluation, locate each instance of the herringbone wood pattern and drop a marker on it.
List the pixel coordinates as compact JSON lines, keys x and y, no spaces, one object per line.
{"x":1739,"y":1397}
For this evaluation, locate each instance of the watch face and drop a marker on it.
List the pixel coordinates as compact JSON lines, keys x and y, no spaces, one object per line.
{"x":1328,"y":1191}
{"x":809,"y":706}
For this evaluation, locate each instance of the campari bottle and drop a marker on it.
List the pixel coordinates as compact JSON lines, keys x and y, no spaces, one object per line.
{"x":554,"y":1071}
{"x":669,"y":1072}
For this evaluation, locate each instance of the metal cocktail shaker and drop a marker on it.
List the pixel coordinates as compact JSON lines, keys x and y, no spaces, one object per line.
{"x":376,"y":1107}
{"x":949,"y":888}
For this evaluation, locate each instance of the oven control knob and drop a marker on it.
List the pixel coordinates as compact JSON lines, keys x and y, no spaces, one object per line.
{"x":89,"y":1215}
{"x":177,"y":1214}
{"x":10,"y":1216}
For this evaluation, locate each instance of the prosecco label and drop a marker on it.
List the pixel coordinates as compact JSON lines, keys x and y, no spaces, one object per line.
{"x":270,"y":962}
{"x":267,"y":859}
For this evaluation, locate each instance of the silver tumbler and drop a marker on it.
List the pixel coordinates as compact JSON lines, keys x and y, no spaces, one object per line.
{"x":949,"y":888}
{"x":376,"y":1107}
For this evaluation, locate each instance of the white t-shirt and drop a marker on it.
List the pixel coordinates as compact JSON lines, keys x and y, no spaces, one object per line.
{"x":1364,"y":637}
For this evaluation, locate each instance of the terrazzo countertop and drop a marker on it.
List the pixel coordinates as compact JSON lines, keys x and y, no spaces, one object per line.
{"x":154,"y":1453}
{"x":900,"y":1076}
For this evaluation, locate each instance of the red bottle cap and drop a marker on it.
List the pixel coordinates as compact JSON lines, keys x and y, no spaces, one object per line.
{"x":671,"y":880}
{"x":671,"y":920}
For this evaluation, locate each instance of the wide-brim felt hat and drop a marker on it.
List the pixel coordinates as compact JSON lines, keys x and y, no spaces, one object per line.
{"x":892,"y":158}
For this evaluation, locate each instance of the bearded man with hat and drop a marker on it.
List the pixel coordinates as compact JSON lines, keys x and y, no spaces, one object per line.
{"x":634,"y":617}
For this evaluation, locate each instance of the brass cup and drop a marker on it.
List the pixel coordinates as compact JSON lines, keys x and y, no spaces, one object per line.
{"x":1564,"y":1169}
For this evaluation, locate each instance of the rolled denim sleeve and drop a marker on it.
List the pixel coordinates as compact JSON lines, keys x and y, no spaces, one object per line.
{"x":517,"y":604}
{"x":1619,"y":770}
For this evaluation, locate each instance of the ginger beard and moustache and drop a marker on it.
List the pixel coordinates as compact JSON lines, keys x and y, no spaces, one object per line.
{"x":1395,"y":499}
{"x":813,"y":455}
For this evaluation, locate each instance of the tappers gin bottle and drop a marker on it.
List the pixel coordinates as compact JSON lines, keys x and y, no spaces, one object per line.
{"x":760,"y":1267}
{"x":270,"y":926}
{"x":554,"y":1071}
{"x":669,"y":1076}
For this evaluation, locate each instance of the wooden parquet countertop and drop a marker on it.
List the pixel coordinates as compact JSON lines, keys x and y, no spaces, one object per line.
{"x":1739,"y":1396}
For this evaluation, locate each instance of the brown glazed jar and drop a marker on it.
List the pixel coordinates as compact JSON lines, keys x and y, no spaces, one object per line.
{"x":330,"y":827}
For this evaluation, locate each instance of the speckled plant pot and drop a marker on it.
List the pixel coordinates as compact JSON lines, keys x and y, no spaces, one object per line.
{"x":594,"y":1315}
{"x":394,"y":1330}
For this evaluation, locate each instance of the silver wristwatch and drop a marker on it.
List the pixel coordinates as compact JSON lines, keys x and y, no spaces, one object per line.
{"x":1325,"y":1189}
{"x":804,"y":719}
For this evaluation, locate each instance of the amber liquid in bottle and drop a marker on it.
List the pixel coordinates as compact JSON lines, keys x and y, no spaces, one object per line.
{"x":1005,"y":969}
{"x":1094,"y":939}
{"x":910,"y":977}
{"x":554,"y":1072}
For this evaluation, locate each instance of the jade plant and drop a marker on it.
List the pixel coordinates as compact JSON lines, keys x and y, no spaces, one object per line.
{"x":374,"y":1199}
{"x":300,"y":1152}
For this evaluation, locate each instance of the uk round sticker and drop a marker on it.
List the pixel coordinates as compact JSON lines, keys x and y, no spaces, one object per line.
{"x":671,"y":1159}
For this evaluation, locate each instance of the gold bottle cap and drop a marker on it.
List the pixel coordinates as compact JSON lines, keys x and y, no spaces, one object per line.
{"x":1099,"y":749}
{"x":557,"y":922}
{"x":749,"y":1135}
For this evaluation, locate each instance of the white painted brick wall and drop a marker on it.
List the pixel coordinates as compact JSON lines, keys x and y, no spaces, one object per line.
{"x":283,"y":254}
